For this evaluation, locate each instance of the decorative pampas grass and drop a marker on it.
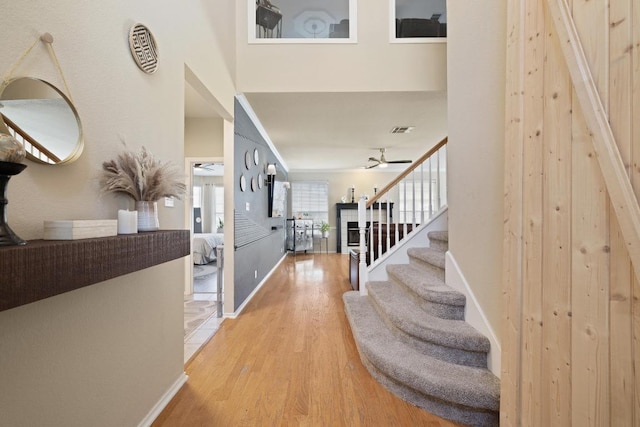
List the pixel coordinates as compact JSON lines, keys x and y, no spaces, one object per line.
{"x":142,"y":177}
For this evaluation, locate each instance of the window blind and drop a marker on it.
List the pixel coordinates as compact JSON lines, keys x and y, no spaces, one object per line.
{"x":310,"y":200}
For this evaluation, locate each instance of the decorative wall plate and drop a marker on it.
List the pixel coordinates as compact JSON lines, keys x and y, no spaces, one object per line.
{"x":143,"y":48}
{"x":260,"y":180}
{"x":256,"y":157}
{"x":243,"y":183}
{"x":248,"y":161}
{"x":254,"y":186}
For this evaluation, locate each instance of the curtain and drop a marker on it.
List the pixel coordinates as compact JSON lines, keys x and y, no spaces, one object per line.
{"x":208,"y":208}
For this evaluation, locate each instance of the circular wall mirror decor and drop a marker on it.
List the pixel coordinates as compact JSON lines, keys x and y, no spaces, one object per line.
{"x":243,"y":183}
{"x":260,"y":180}
{"x":143,"y":48}
{"x":254,"y":186}
{"x":248,"y":161}
{"x":256,"y":157}
{"x":43,"y":119}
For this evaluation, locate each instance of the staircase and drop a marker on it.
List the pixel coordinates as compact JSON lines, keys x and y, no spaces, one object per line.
{"x":412,"y":337}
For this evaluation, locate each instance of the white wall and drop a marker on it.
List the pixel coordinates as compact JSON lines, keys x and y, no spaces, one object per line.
{"x":98,"y":356}
{"x":203,"y":138}
{"x":476,"y":64}
{"x":373,"y":64}
{"x":105,"y":354}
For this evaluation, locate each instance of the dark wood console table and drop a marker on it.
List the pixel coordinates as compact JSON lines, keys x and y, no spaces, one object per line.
{"x":45,"y":268}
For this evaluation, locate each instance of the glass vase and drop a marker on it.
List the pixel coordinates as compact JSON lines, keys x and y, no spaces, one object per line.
{"x":147,"y":216}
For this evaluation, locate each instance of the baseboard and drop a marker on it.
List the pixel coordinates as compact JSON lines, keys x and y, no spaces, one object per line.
{"x":474,"y":315}
{"x":164,"y":401}
{"x":236,"y":313}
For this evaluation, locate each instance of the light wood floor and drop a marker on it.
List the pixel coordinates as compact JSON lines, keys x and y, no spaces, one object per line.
{"x":288,"y":360}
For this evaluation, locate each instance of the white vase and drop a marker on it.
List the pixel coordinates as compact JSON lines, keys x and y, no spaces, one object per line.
{"x":147,"y":216}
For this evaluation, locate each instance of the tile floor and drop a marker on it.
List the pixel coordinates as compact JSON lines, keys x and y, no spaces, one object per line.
{"x":200,"y":322}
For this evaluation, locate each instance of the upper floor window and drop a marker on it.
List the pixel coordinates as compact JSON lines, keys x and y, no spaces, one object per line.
{"x":302,"y":21}
{"x":418,"y":20}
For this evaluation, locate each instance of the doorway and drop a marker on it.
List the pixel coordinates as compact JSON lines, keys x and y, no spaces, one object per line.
{"x":204,"y":290}
{"x":207,"y":222}
{"x":205,"y":132}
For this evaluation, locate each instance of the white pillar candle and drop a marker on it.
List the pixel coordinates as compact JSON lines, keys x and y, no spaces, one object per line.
{"x":127,"y":222}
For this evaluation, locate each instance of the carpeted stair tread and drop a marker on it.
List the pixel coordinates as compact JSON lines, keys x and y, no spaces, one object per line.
{"x":452,"y":384}
{"x":407,"y":316}
{"x":442,"y":236}
{"x":426,"y":286}
{"x":429,"y":255}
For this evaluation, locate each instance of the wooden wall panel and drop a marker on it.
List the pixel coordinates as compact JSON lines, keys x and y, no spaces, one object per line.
{"x":622,"y":278}
{"x":572,"y":311}
{"x":589,"y":281}
{"x":556,"y":351}
{"x":634,"y":48}
{"x":532,"y":203}
{"x":512,"y":275}
{"x":590,"y":278}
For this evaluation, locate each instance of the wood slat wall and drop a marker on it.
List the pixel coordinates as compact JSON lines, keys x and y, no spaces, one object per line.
{"x":572,"y":306}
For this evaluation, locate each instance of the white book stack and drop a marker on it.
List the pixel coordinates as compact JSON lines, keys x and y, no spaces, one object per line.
{"x":80,"y":229}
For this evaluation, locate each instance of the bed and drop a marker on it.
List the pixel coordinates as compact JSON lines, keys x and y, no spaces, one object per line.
{"x":204,"y":247}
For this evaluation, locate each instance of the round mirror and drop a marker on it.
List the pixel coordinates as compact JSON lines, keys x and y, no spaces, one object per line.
{"x":43,"y":119}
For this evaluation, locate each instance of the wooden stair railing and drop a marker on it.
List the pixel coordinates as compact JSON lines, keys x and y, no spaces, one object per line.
{"x":30,"y":145}
{"x":386,"y":230}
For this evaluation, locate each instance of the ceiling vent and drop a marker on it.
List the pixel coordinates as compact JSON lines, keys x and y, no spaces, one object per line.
{"x":402,"y":129}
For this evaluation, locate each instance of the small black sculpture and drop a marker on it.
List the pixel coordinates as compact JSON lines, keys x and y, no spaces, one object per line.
{"x":7,"y":236}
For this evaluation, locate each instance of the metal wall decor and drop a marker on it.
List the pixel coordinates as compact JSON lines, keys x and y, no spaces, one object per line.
{"x":143,"y":48}
{"x":248,"y":161}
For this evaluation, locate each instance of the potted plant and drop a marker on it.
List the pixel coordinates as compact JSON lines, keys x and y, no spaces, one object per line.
{"x":324,"y":229}
{"x":220,"y":225}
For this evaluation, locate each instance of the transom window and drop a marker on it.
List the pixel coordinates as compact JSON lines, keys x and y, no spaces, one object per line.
{"x":302,"y":21}
{"x":418,"y":20}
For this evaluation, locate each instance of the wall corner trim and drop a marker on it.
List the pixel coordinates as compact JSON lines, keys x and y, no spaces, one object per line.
{"x":474,"y":315}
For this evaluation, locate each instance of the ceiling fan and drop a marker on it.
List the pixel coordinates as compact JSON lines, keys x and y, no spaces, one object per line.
{"x":208,"y":169}
{"x":383,"y":162}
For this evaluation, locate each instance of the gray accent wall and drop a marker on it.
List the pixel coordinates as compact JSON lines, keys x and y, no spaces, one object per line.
{"x":258,"y":240}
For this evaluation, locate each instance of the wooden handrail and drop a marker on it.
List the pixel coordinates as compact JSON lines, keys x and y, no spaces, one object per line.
{"x":618,"y":184}
{"x":407,"y":171}
{"x":17,"y":129}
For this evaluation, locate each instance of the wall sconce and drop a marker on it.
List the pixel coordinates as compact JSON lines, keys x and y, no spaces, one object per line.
{"x":271,"y":177}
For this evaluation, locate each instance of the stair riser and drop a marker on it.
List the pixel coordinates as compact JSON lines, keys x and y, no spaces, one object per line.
{"x":448,"y":354}
{"x":427,"y":268}
{"x":443,"y":311}
{"x":439,"y":245}
{"x":448,"y":410}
